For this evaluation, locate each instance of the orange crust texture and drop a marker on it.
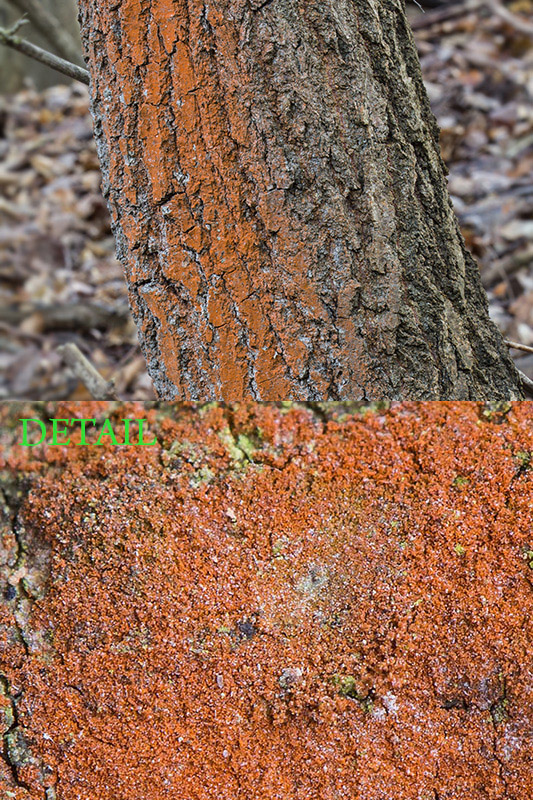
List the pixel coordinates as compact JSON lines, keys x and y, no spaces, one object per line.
{"x":275,"y":601}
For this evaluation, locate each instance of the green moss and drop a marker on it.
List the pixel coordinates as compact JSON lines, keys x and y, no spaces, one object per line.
{"x":246,"y":445}
{"x":202,"y":475}
{"x":367,"y":704}
{"x":7,"y":718}
{"x":523,"y":457}
{"x":498,"y":711}
{"x":285,"y":406}
{"x":206,"y":407}
{"x":279,"y":546}
{"x":460,"y":480}
{"x":186,"y":449}
{"x":16,"y":748}
{"x":372,"y":408}
{"x":496,"y":411}
{"x":230,"y":443}
{"x":459,"y":549}
{"x":345,"y":685}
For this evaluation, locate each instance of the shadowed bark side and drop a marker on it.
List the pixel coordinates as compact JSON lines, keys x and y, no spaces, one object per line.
{"x":280,"y":204}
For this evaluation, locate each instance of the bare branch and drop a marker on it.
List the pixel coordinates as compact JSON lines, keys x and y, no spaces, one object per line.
{"x":8,"y":38}
{"x":444,"y":14}
{"x":504,"y":268}
{"x":51,"y":28}
{"x":518,"y":346}
{"x":527,"y":384}
{"x":98,"y":387}
{"x":516,"y":21}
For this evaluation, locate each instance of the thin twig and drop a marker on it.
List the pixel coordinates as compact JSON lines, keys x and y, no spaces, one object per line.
{"x":517,"y":22}
{"x":518,"y":346}
{"x":98,"y":387}
{"x":51,"y":28}
{"x":444,"y":14}
{"x":17,"y":25}
{"x":8,"y":38}
{"x":505,"y":268}
{"x":527,"y":383}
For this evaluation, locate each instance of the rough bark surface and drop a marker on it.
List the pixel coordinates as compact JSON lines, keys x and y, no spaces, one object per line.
{"x":280,"y":204}
{"x":272,"y":603}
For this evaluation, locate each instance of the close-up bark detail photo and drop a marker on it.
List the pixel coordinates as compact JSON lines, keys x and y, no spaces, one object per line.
{"x":283,"y":601}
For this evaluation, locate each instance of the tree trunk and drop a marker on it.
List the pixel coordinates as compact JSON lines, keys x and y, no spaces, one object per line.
{"x":280,"y":204}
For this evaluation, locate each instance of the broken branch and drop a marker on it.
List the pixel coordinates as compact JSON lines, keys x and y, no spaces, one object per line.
{"x":8,"y":38}
{"x":518,"y":346}
{"x":98,"y":387}
{"x":50,"y":27}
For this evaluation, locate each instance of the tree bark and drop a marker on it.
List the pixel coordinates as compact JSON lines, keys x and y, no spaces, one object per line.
{"x":280,"y":204}
{"x":268,"y":604}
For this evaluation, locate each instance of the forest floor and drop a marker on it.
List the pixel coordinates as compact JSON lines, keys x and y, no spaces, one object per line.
{"x":60,"y":281}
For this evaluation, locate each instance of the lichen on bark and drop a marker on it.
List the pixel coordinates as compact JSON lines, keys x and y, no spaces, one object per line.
{"x":276,"y":600}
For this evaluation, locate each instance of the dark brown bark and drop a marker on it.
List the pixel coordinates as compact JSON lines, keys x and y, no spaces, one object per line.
{"x":280,"y":204}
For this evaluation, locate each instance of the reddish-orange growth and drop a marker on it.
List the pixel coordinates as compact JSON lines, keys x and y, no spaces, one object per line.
{"x":269,"y":606}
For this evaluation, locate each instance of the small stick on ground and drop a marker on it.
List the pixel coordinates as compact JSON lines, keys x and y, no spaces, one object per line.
{"x":511,"y":265}
{"x":98,"y":387}
{"x":515,"y":21}
{"x":7,"y":37}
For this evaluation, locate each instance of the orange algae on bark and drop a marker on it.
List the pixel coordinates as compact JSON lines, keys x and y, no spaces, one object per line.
{"x":272,"y":603}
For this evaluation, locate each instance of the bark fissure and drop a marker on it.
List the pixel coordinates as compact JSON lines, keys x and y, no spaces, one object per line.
{"x":15,"y":751}
{"x":15,"y":587}
{"x":10,"y":738}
